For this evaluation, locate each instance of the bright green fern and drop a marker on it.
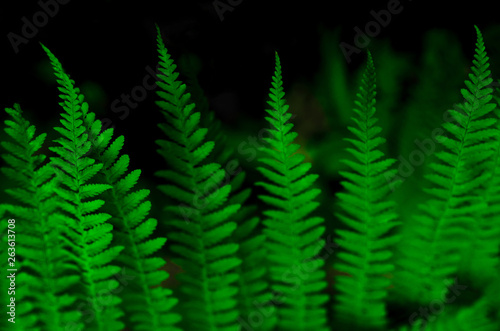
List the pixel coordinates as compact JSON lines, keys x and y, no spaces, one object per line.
{"x":199,"y":209}
{"x":483,"y":261}
{"x":146,"y":308}
{"x":89,"y":234}
{"x":252,"y":284}
{"x":293,"y":237}
{"x":42,"y":258}
{"x":369,"y":215}
{"x":447,"y":230}
{"x":89,"y":256}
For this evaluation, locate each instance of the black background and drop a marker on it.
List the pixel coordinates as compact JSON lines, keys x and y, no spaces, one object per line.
{"x":108,"y":44}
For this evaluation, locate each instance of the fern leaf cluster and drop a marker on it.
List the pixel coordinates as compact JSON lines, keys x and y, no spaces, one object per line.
{"x":45,"y":273}
{"x":89,"y":255}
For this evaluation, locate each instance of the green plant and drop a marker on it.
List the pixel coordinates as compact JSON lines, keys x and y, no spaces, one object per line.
{"x":201,"y":218}
{"x":45,"y":253}
{"x":89,"y":235}
{"x":451,"y":219}
{"x":88,"y":255}
{"x":369,"y":215}
{"x":294,"y":238}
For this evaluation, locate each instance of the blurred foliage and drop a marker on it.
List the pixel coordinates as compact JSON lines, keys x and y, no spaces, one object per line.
{"x":437,"y":78}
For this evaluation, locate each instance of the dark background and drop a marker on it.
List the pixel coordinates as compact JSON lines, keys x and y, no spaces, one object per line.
{"x":106,"y":45}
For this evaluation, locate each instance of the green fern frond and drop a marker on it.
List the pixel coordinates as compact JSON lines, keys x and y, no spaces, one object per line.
{"x":253,"y":287}
{"x":369,"y":215}
{"x":89,"y":233}
{"x":293,"y":237}
{"x":146,"y":308}
{"x":200,"y":210}
{"x":45,"y":274}
{"x":483,"y":261}
{"x":446,"y":229}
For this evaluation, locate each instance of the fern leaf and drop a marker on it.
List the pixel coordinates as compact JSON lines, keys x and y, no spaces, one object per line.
{"x":75,"y":170}
{"x":253,"y":288}
{"x":145,"y":307}
{"x":210,"y":301}
{"x":369,"y":214}
{"x":482,"y":262}
{"x":301,"y":294}
{"x":42,"y":260}
{"x":443,"y":234}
